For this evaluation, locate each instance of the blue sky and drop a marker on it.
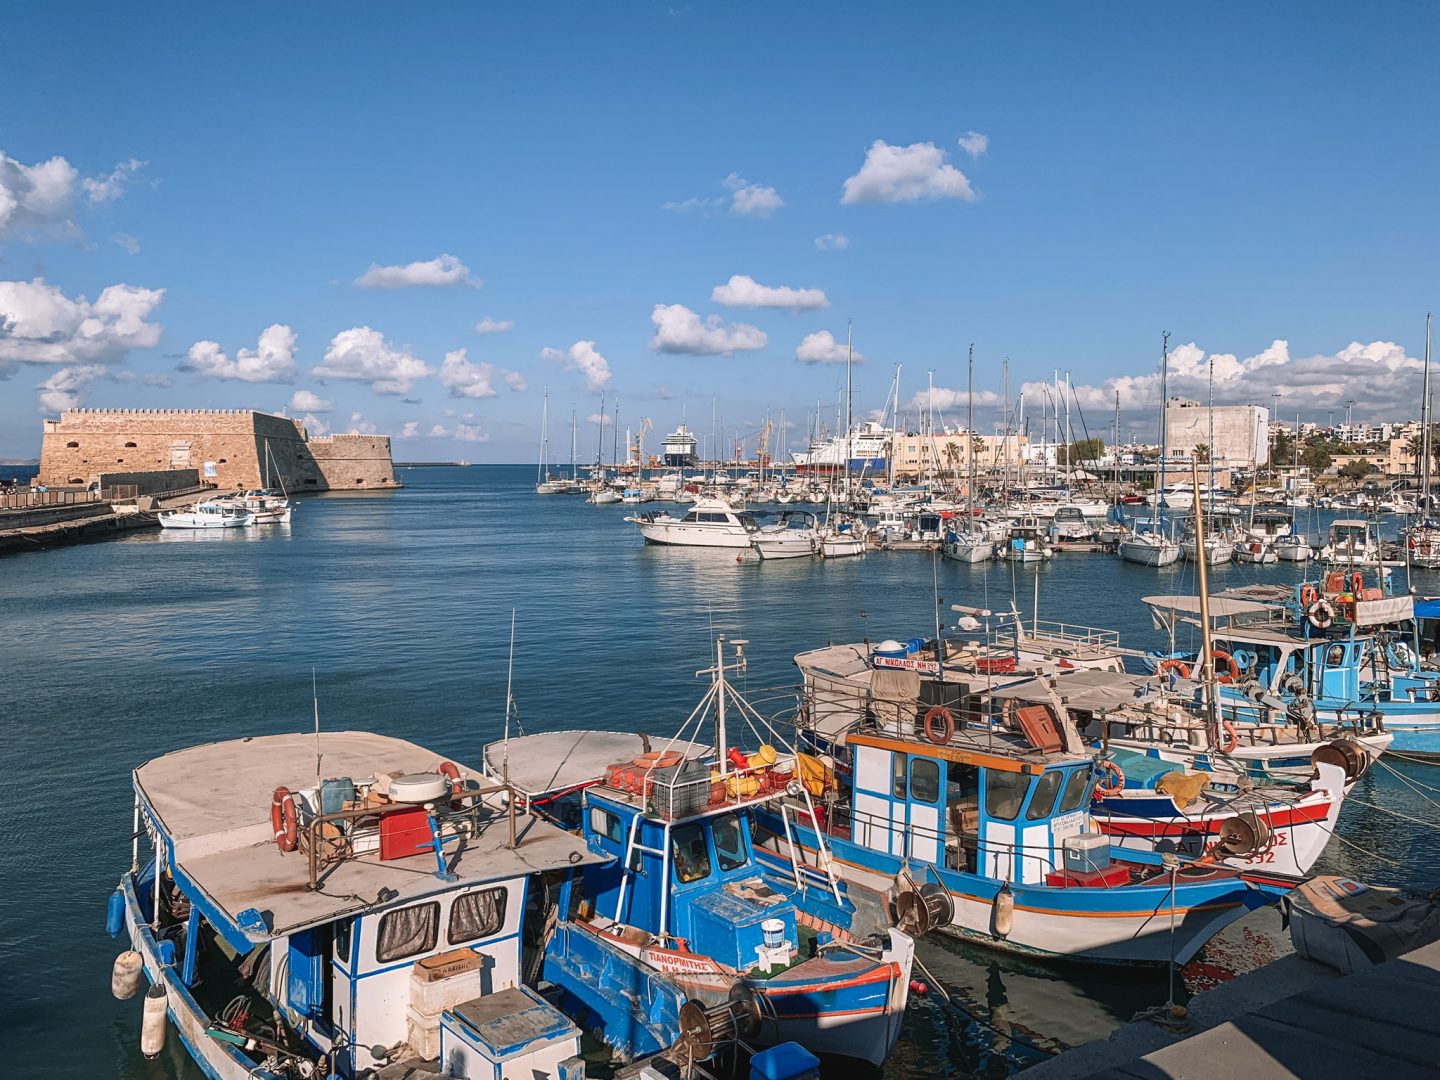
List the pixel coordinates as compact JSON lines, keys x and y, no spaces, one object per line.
{"x":1259,"y":183}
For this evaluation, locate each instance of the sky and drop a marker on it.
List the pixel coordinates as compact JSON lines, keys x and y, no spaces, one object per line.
{"x":414,"y":219}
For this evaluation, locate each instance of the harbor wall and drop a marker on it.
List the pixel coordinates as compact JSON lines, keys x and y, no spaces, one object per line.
{"x":230,"y":448}
{"x":155,"y":482}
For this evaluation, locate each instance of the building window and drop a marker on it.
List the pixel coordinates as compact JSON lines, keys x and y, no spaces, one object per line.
{"x":119,"y":461}
{"x":222,"y":461}
{"x":130,"y":446}
{"x":477,"y":915}
{"x":408,"y":931}
{"x":72,"y":445}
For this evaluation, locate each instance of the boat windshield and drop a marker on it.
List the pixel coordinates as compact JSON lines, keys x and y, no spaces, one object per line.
{"x":689,"y":853}
{"x":729,"y":842}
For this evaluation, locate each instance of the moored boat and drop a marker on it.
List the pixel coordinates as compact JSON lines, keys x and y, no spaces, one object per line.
{"x":207,"y":515}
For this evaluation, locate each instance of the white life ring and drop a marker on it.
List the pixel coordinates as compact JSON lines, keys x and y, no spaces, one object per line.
{"x":1321,"y":614}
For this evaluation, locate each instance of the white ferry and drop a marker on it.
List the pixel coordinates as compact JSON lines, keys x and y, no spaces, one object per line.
{"x":866,"y":450}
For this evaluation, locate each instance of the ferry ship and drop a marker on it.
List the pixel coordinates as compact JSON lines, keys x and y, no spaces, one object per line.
{"x":679,"y":450}
{"x":864,"y":451}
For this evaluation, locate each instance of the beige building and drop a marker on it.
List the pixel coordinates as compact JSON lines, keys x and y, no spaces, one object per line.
{"x":1240,"y":433}
{"x":914,"y":455}
{"x":230,"y":448}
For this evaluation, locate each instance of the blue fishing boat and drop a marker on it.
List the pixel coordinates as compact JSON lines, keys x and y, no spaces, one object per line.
{"x":986,"y":827}
{"x":293,"y":926}
{"x":683,"y":937}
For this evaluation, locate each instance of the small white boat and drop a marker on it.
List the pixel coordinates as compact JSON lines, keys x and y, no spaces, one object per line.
{"x":709,"y":523}
{"x":793,"y":536}
{"x":207,"y":515}
{"x":1292,"y":548}
{"x":1255,"y":552}
{"x":1148,"y":546}
{"x":841,"y":539}
{"x":266,"y":507}
{"x":1352,"y":543}
{"x":967,"y":547}
{"x":1423,"y":545}
{"x":1070,"y":523}
{"x":1218,"y":550}
{"x":1025,"y":542}
{"x":606,"y":496}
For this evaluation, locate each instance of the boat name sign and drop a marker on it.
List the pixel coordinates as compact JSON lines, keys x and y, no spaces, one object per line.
{"x":930,"y":667}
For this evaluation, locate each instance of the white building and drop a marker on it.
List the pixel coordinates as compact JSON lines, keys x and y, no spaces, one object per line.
{"x":1238,"y":435}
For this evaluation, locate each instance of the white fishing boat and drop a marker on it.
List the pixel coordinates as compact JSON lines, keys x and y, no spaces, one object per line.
{"x":207,"y":515}
{"x":1254,"y":552}
{"x":1352,"y":542}
{"x":1295,"y":548}
{"x":708,"y":523}
{"x":795,"y":535}
{"x":1025,"y":541}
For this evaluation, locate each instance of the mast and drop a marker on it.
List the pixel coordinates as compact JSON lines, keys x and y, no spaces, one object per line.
{"x":572,"y":444}
{"x":544,"y":437}
{"x":1202,"y":580}
{"x":1425,"y":428}
{"x":600,"y":432}
{"x":849,"y":400}
{"x":1160,"y":492}
{"x":970,"y":441}
{"x":1115,"y":447}
{"x":615,"y":438}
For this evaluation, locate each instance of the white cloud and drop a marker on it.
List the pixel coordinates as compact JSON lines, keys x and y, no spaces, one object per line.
{"x":439,"y":432}
{"x":832,"y":242}
{"x":361,"y":354}
{"x":822,"y":348}
{"x":410,"y":430}
{"x":487,"y":325}
{"x":974,"y":143}
{"x":582,"y":357}
{"x":128,"y":242}
{"x":437,"y":273}
{"x":103,"y":189}
{"x":309,"y":401}
{"x":464,"y":379}
{"x":943,"y":399}
{"x":65,"y":389}
{"x":273,"y":361}
{"x":1311,"y":385}
{"x":680,"y":330}
{"x":744,"y":291}
{"x":157,"y":379}
{"x":314,"y":425}
{"x":600,"y":419}
{"x":914,"y":173}
{"x":515,"y":381}
{"x":745,"y":200}
{"x":41,"y":325}
{"x":360,"y":426}
{"x":470,"y":433}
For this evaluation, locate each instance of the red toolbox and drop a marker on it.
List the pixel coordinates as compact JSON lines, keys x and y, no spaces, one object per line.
{"x":404,"y":833}
{"x":1106,"y":877}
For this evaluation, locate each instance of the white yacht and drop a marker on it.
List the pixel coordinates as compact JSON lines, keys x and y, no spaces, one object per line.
{"x":266,"y":507}
{"x":207,"y":515}
{"x":1292,"y":548}
{"x":709,"y":523}
{"x":1071,"y":523}
{"x":795,"y":535}
{"x":1025,"y":542}
{"x":1352,"y":542}
{"x":1147,"y":545}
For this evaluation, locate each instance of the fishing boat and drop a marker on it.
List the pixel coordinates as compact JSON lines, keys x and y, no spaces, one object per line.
{"x":999,"y":819}
{"x":684,"y":932}
{"x":708,"y":523}
{"x":1254,"y":552}
{"x":207,"y":515}
{"x":1025,"y":541}
{"x":1351,"y":542}
{"x":294,"y":926}
{"x":794,"y":535}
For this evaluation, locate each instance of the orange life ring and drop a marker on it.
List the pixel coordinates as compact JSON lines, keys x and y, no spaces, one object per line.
{"x":1357,"y":583}
{"x":1308,"y":596}
{"x":661,"y":759}
{"x":1104,"y":791}
{"x":1173,"y":664}
{"x":1220,"y":655}
{"x":939,"y":734}
{"x":284,"y":820}
{"x":451,"y":772}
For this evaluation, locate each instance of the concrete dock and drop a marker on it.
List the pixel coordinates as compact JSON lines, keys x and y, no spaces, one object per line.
{"x":33,"y":527}
{"x":1291,"y":1020}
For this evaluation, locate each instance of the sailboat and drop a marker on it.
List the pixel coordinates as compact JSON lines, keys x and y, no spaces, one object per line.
{"x":968,"y":543}
{"x":1147,"y":544}
{"x":546,"y":483}
{"x":1422,"y":542}
{"x":843,"y":534}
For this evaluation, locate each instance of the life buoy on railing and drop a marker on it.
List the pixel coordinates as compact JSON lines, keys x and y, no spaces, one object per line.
{"x":1308,"y":596}
{"x":1175,"y":664}
{"x":1232,"y":669}
{"x":1108,"y":768}
{"x":939,"y":725}
{"x":1357,"y":583}
{"x":1321,"y":614}
{"x":451,"y":772}
{"x":284,"y":820}
{"x":1232,"y":738}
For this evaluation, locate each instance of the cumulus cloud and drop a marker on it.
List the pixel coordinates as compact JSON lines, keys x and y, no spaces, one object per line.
{"x":410,"y":430}
{"x":974,"y":143}
{"x":515,"y":381}
{"x":744,"y":291}
{"x":360,"y":426}
{"x":487,"y":325}
{"x":943,"y":399}
{"x":39,"y":324}
{"x":314,"y":425}
{"x":108,"y":188}
{"x":1311,"y":385}
{"x":582,"y":357}
{"x":464,"y":379}
{"x":470,"y":433}
{"x":309,"y":401}
{"x":128,"y":242}
{"x":361,"y":354}
{"x":441,"y":272}
{"x":65,"y":388}
{"x":832,"y":242}
{"x":744,"y":200}
{"x":914,"y":173}
{"x":822,"y":348}
{"x":273,"y":361}
{"x":680,"y":330}
{"x":600,"y":419}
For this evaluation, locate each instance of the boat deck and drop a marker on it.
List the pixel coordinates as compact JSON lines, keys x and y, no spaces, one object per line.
{"x":554,"y":761}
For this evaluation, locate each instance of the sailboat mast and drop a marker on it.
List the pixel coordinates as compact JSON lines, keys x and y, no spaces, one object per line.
{"x":600,"y":432}
{"x":970,"y":439}
{"x":1425,"y":427}
{"x":1160,"y":493}
{"x":849,"y":400}
{"x":544,"y":437}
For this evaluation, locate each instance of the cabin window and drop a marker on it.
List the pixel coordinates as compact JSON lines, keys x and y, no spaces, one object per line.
{"x":1004,"y":792}
{"x":343,"y":930}
{"x":898,"y":765}
{"x":477,"y":915}
{"x":1043,"y":801}
{"x":924,"y":780}
{"x":1075,"y":787}
{"x":729,"y":842}
{"x":408,"y":931}
{"x":689,"y":853}
{"x":604,"y":823}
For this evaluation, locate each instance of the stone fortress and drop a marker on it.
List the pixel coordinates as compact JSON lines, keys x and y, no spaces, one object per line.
{"x":229,"y":448}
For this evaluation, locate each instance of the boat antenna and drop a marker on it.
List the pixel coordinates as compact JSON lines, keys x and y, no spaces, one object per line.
{"x":505,"y":759}
{"x":315,"y":703}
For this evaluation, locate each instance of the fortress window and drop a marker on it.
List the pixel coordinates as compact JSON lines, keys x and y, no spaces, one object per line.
{"x":119,"y":461}
{"x":130,"y":446}
{"x":223,"y":460}
{"x":359,"y":479}
{"x":77,"y":480}
{"x":72,"y":445}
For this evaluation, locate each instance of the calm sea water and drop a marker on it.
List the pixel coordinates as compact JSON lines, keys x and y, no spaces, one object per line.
{"x":115,"y":652}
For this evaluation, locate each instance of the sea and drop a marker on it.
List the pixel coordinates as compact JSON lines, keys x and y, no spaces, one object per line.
{"x":397,"y":608}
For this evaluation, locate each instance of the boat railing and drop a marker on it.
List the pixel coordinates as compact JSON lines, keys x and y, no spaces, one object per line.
{"x":1094,"y":637}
